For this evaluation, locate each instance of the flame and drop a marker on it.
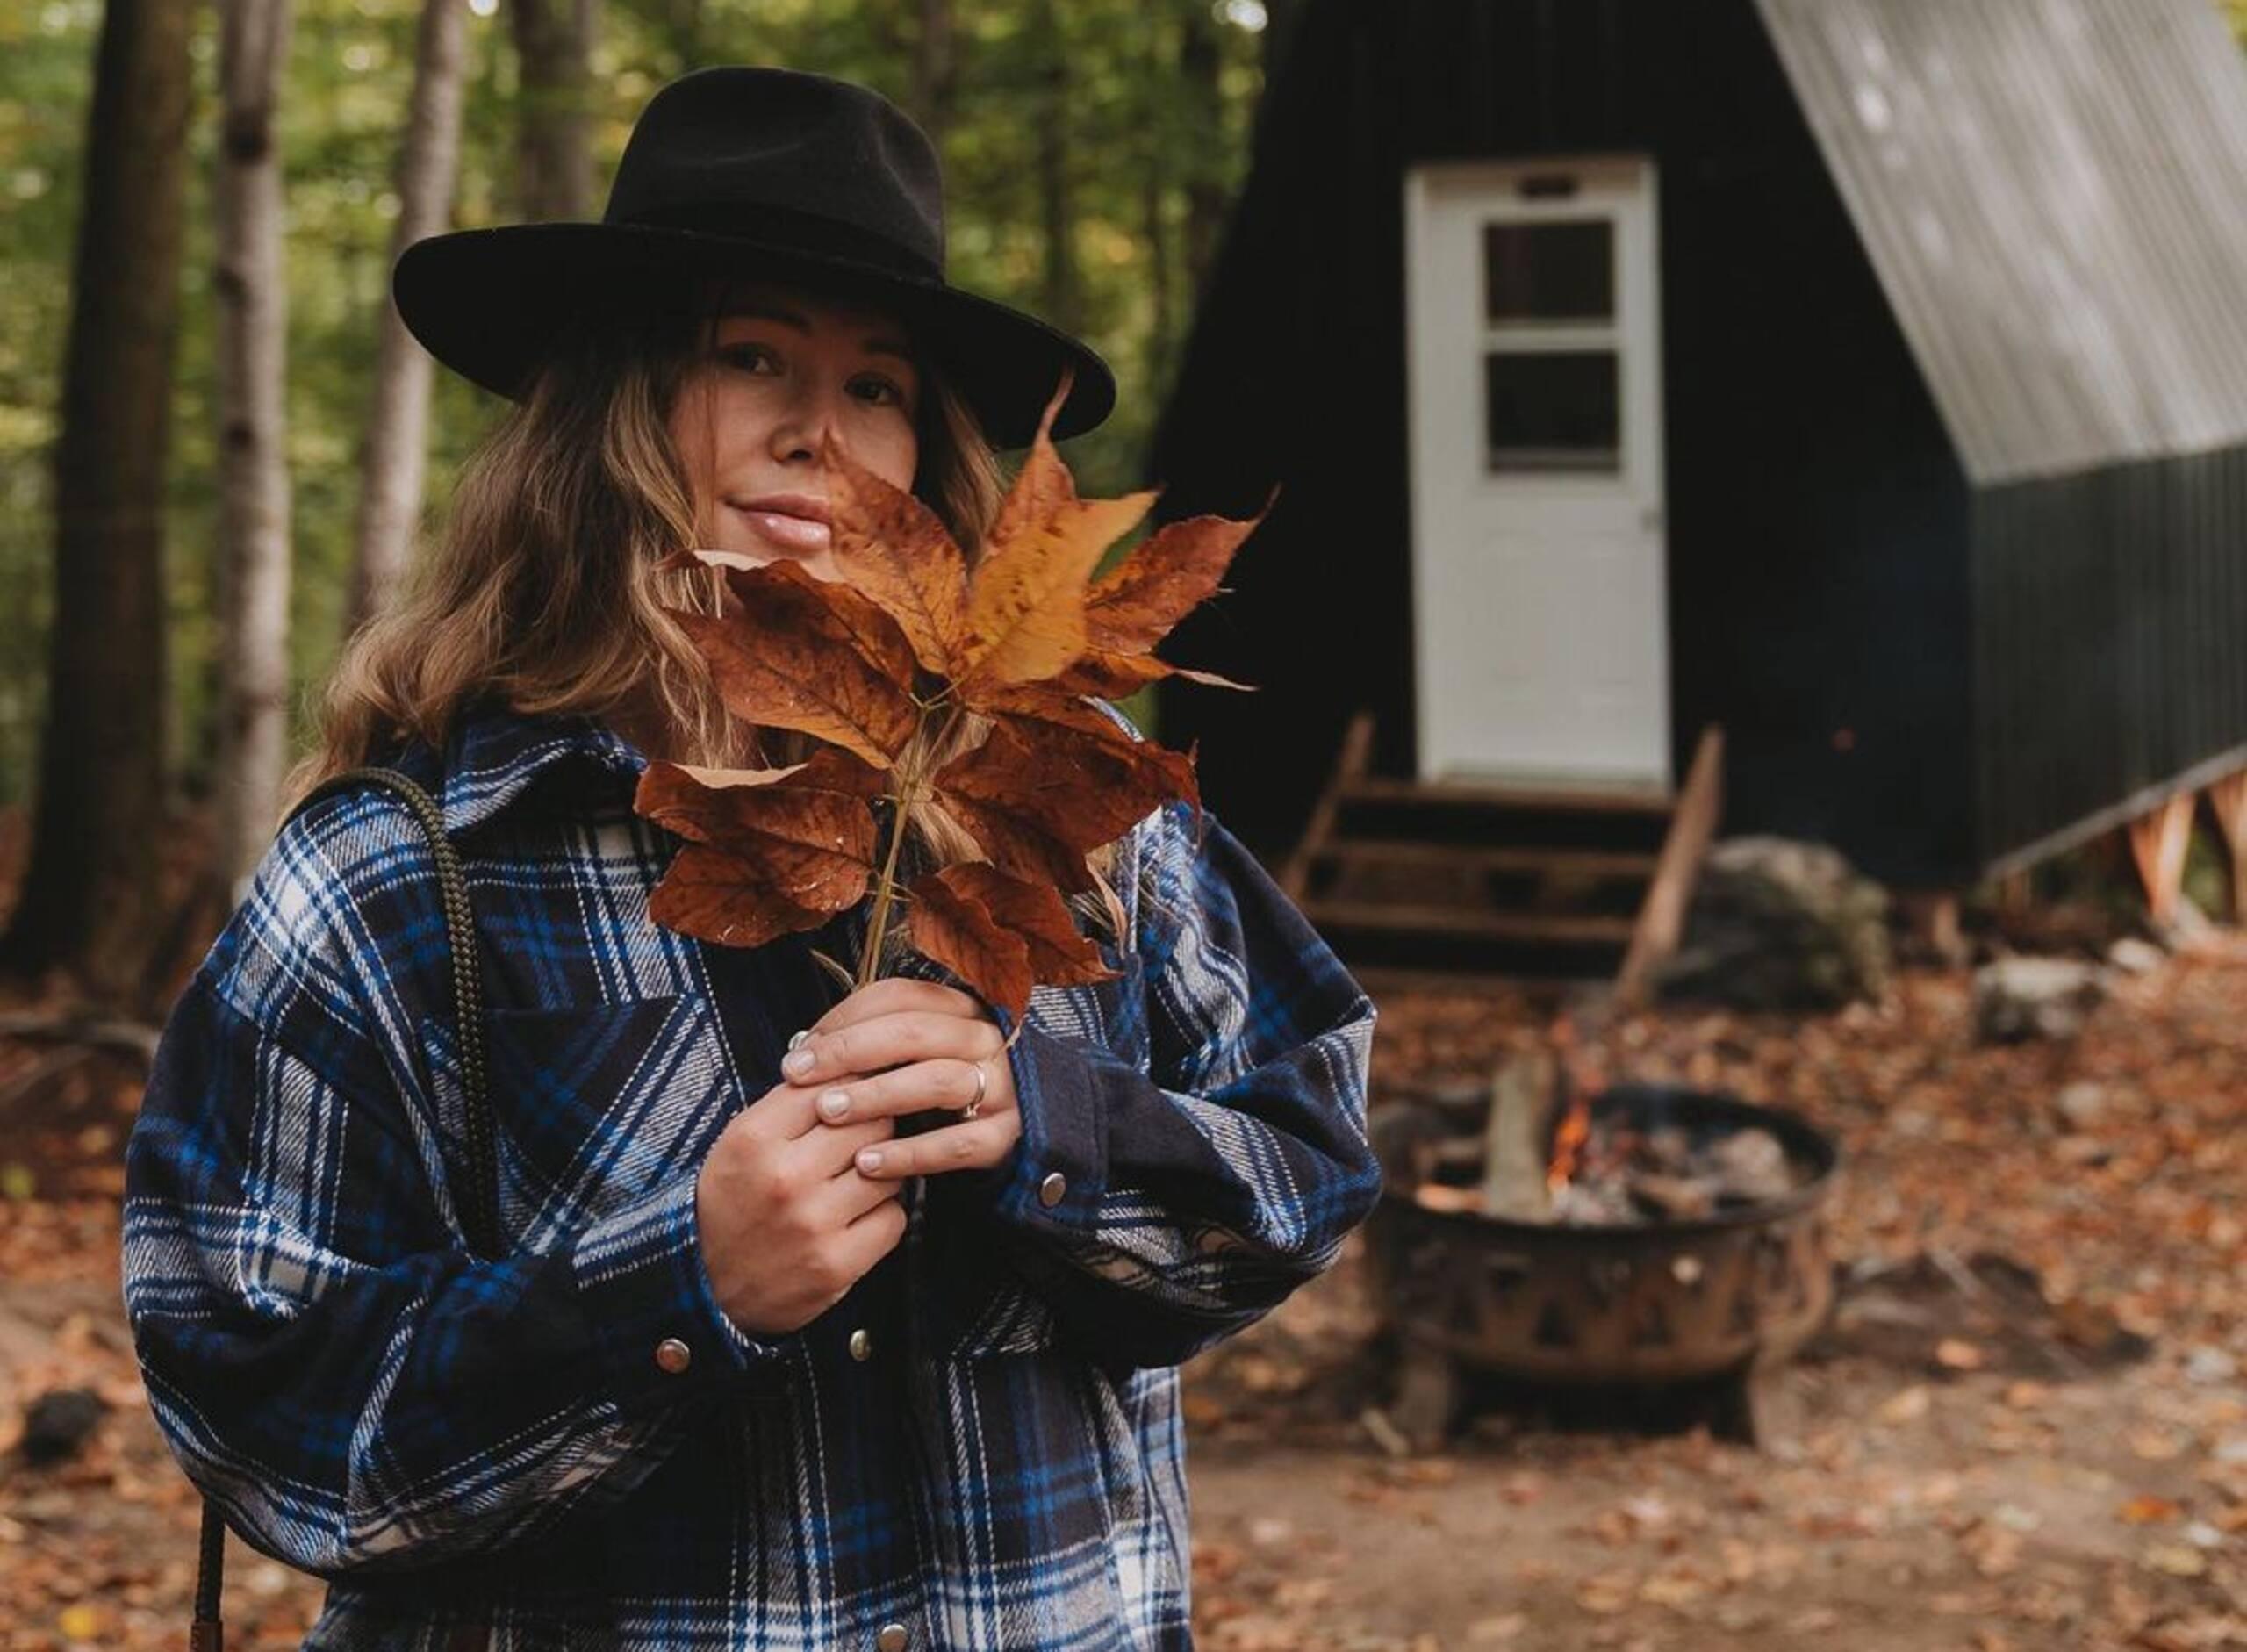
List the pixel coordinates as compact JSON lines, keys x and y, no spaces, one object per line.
{"x":1568,"y":1140}
{"x":1581,"y":1080}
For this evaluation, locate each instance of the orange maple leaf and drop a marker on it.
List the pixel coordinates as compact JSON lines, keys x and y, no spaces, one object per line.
{"x":880,"y":665}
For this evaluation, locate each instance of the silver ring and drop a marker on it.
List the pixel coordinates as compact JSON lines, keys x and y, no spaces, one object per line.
{"x":982,"y":1085}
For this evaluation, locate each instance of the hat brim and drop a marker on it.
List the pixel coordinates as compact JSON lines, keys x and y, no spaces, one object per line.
{"x":490,"y":303}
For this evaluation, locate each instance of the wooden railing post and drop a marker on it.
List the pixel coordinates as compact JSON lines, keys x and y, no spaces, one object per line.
{"x":1662,"y":920}
{"x":2228,"y":801}
{"x":2159,"y":842}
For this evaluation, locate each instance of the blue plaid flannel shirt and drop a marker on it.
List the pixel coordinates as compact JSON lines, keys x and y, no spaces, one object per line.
{"x":998,"y":1462}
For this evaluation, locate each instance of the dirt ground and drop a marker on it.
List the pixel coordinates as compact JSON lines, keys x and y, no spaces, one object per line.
{"x":2024,"y":1428}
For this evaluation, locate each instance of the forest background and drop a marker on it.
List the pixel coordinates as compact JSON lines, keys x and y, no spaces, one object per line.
{"x":1090,"y":148}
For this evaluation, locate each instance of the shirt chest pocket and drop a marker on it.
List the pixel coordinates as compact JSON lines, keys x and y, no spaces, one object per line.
{"x":594,"y":1106}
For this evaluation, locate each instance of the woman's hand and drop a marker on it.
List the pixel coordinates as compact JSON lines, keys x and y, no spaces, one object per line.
{"x":787,"y":1223}
{"x":911,"y":1046}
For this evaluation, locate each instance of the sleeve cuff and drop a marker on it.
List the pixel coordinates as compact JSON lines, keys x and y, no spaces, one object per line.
{"x":647,"y":1298}
{"x":1059,"y":1172}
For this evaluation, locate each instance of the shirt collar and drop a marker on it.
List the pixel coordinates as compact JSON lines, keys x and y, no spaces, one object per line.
{"x":495,"y":754}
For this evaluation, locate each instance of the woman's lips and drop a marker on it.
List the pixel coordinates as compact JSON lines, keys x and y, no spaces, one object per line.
{"x":791,"y":527}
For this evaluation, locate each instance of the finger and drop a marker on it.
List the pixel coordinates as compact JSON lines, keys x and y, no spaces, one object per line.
{"x":891,"y":1040}
{"x":947,"y":1082}
{"x":825,"y":1150}
{"x":975,"y":1145}
{"x":849,"y":1196}
{"x":896,"y":994}
{"x":872,"y":1237}
{"x":784,"y":1113}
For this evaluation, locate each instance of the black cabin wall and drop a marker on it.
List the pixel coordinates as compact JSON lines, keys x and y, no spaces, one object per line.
{"x":1818,"y":601}
{"x":1816,"y":518}
{"x":2109,"y":609}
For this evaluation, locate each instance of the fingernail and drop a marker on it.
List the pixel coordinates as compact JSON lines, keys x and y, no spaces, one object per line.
{"x":796,"y":1064}
{"x":869,"y":1161}
{"x":834,"y":1105}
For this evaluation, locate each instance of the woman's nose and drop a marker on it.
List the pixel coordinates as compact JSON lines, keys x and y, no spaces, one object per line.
{"x":808,"y":424}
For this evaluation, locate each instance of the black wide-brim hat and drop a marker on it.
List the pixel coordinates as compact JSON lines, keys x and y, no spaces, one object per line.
{"x":751,"y":174}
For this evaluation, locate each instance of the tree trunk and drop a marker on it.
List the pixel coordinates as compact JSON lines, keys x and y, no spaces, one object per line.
{"x":935,"y":70}
{"x":398,"y":423}
{"x":1202,"y":96}
{"x":253,"y":293}
{"x":90,"y":891}
{"x":554,"y":42}
{"x":1058,"y":294}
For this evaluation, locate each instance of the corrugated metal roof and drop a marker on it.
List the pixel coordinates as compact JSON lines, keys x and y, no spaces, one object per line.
{"x":2053,"y":194}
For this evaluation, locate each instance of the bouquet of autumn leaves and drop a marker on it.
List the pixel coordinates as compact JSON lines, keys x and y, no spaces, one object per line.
{"x":884,"y":669}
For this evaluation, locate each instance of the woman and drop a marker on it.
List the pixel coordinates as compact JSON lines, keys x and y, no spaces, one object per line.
{"x":758,"y":1368}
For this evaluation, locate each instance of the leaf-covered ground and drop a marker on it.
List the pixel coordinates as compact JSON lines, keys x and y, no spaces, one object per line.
{"x":2027,"y":1429}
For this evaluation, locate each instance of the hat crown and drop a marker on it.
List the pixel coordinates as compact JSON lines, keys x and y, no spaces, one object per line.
{"x":746,"y":150}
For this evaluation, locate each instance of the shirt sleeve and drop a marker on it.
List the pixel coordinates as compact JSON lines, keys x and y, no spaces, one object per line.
{"x":1168,"y":1208}
{"x":324,"y":1356}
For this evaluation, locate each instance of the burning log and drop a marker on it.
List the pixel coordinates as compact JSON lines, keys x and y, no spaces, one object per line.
{"x":1516,"y":1173}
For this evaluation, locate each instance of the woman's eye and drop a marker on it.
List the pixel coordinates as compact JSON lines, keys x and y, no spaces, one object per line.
{"x":877,"y":391}
{"x":749,"y":357}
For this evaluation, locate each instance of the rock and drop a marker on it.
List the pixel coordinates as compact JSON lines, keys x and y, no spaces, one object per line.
{"x":2082,"y":1104}
{"x":2210,"y":1367}
{"x":2136,"y":957}
{"x":58,"y":1422}
{"x":1776,"y":924}
{"x":2021,"y":998}
{"x":2188,"y":929}
{"x":1752,"y":1165}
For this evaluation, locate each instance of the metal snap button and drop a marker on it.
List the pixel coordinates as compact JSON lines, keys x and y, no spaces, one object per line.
{"x":892,"y":1637}
{"x":674,"y":1356}
{"x":862,"y":1346}
{"x":1054,"y":1190}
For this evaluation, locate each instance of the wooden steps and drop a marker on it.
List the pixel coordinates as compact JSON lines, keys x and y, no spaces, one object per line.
{"x":1479,"y":880}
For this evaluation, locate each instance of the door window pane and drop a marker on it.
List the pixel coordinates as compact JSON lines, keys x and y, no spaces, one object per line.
{"x":1549,"y":272}
{"x":1557,"y":410}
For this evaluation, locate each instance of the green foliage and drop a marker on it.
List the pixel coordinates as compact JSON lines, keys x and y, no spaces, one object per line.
{"x":348,"y":82}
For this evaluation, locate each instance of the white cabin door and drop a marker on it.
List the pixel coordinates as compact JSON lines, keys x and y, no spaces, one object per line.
{"x":1537,"y":493}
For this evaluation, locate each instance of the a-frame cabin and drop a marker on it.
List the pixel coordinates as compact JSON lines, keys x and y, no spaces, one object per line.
{"x":1868,"y":378}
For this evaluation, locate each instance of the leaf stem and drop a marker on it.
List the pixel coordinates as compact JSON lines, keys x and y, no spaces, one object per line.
{"x":886,"y":883}
{"x":888,"y":897}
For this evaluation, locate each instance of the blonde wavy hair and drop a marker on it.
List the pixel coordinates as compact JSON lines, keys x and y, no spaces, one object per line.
{"x":543,"y":590}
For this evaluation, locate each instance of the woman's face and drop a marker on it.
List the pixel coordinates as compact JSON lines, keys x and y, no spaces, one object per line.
{"x":785,"y":374}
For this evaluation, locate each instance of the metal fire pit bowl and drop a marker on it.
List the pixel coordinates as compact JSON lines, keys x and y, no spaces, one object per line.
{"x":1704,"y":1302}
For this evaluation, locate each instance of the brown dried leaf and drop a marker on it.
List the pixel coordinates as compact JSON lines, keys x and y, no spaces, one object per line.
{"x":1044,"y":484}
{"x":702,"y":556}
{"x":1059,"y":955}
{"x":811,"y":656}
{"x":764,"y":859}
{"x":726,"y":899}
{"x":1054,"y":780}
{"x":1140,"y":599}
{"x":891,"y":547}
{"x":1026,"y":609}
{"x":688,"y":810}
{"x":958,"y":931}
{"x":1112,"y":676}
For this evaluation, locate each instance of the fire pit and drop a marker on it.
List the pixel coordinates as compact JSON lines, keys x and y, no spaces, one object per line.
{"x":1679,"y":1247}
